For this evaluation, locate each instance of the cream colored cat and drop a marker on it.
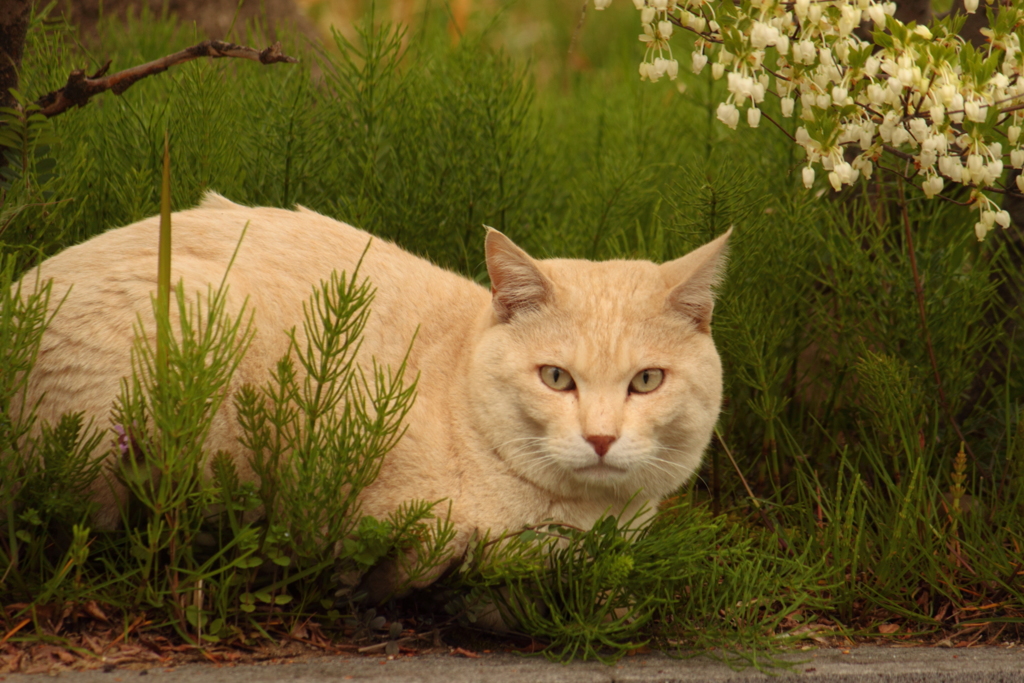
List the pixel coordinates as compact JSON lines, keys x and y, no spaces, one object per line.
{"x":559,"y":395}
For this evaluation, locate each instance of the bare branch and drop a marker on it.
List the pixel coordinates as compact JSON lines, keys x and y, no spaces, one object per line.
{"x":80,"y":88}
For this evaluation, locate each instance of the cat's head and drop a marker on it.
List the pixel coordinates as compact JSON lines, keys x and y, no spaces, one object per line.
{"x":598,"y":380}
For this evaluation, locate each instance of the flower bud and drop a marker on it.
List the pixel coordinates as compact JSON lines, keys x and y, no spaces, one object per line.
{"x":717,"y":70}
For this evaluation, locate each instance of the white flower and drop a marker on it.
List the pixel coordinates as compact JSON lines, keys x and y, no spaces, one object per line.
{"x":728,"y":114}
{"x":974,"y":111}
{"x":782,"y":44}
{"x":665,"y":29}
{"x":804,"y":52}
{"x":932,"y":186}
{"x":647,"y":15}
{"x":877,"y":15}
{"x":1017,"y":157}
{"x":923,"y":31}
{"x":787,"y":106}
{"x":698,"y":63}
{"x":601,"y":4}
{"x":808,"y":176}
{"x":837,"y":183}
{"x":980,"y":229}
{"x":1003,"y":219}
{"x":971,"y":6}
{"x":669,"y":67}
{"x":876,"y":95}
{"x":919,"y":129}
{"x":871,"y":67}
{"x":1020,"y":183}
{"x":839,"y":94}
{"x":1012,"y":134}
{"x":753,"y":117}
{"x":639,"y":4}
{"x":900,"y":136}
{"x":956,"y":106}
{"x":762,"y":35}
{"x":717,"y":70}
{"x":938,"y":114}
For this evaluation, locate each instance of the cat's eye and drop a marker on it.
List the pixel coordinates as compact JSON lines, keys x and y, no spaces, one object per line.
{"x":646,"y":381}
{"x":557,"y":378}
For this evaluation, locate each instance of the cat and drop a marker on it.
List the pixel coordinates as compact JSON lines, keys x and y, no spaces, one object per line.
{"x":570,"y":390}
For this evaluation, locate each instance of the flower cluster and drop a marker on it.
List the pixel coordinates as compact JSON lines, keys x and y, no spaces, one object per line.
{"x":866,"y":89}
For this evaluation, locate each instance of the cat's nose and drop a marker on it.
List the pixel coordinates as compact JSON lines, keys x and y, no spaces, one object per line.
{"x":601,"y":443}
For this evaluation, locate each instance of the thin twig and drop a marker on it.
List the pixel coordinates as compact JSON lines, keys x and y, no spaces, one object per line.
{"x":919,"y":292}
{"x":753,"y":499}
{"x":80,"y":88}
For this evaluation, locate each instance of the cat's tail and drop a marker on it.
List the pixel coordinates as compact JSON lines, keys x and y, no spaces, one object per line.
{"x":213,"y":200}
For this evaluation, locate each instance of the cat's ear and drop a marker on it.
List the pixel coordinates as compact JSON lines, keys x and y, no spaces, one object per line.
{"x":516,"y":283}
{"x":693,"y":279}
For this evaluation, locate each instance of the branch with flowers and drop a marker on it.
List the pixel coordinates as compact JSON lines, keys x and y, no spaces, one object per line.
{"x":952,"y":113}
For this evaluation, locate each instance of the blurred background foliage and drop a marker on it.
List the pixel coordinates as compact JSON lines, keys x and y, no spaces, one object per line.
{"x":434,"y":119}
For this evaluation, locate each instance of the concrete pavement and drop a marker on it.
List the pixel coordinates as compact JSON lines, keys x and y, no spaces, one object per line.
{"x":853,"y":665}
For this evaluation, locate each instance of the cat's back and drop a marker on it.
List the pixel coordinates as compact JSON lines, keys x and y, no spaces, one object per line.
{"x":105,"y":285}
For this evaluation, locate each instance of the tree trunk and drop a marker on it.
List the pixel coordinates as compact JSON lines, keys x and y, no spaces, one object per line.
{"x":13,"y":27}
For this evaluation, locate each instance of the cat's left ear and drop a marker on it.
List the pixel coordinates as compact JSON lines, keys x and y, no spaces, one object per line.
{"x":693,"y":279}
{"x":516,"y":283}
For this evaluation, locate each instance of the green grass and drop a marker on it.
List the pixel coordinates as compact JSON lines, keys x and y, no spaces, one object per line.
{"x":860,"y":508}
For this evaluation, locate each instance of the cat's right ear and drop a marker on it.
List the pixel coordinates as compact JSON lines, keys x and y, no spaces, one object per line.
{"x":516,"y":283}
{"x":693,"y":279}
